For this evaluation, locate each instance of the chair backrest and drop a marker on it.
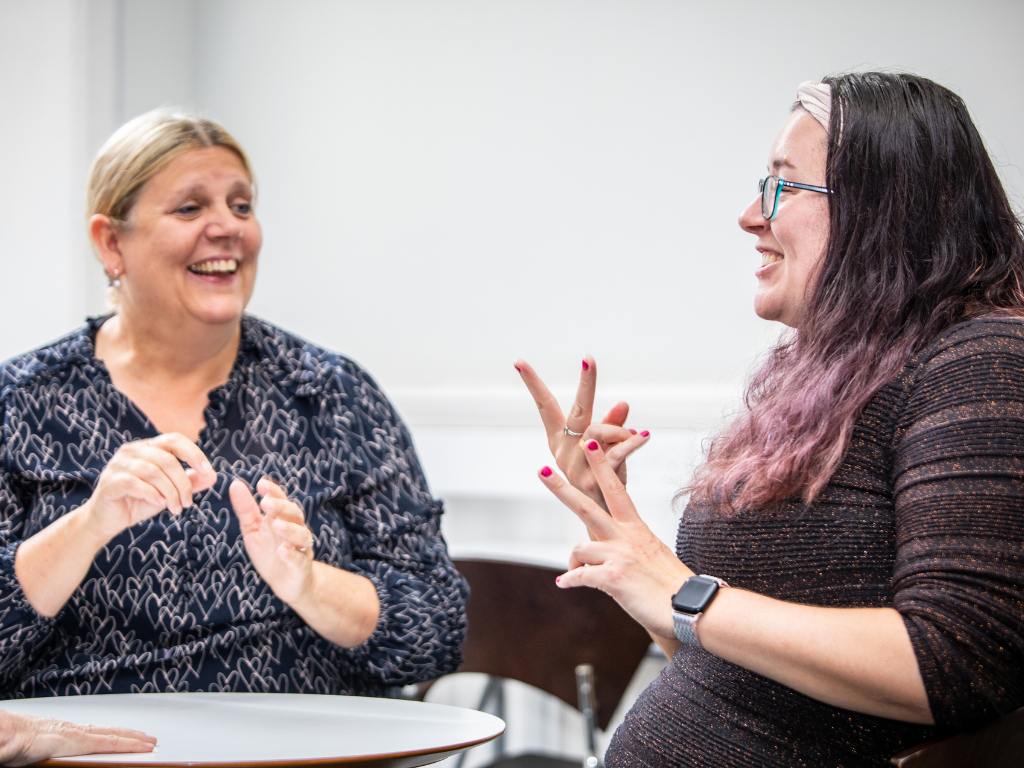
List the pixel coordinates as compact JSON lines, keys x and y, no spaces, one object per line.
{"x":1000,"y":745}
{"x":522,"y":626}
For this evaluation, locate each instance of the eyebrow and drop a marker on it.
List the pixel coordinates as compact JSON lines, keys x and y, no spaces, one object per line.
{"x":197,"y":190}
{"x":784,"y":163}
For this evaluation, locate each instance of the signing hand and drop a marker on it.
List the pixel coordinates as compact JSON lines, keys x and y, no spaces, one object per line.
{"x":277,"y":539}
{"x":625,"y":560}
{"x":610,"y":433}
{"x":25,"y":739}
{"x":145,"y":477}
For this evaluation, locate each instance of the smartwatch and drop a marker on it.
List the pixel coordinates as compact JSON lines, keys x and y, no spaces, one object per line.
{"x":689,"y":604}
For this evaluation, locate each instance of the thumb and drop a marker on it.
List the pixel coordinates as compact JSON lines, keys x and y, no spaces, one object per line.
{"x":246,"y":508}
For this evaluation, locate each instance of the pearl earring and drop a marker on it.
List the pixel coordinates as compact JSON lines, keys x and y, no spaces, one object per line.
{"x":115,"y":282}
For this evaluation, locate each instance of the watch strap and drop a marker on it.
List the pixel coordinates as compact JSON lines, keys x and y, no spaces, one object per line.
{"x":686,"y":623}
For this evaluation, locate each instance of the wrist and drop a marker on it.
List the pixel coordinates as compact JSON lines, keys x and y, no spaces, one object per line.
{"x":690,"y":603}
{"x":84,"y":528}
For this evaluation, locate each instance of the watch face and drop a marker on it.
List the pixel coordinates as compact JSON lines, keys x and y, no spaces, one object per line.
{"x":695,"y":595}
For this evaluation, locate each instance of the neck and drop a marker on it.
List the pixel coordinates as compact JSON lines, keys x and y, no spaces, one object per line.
{"x":158,"y":351}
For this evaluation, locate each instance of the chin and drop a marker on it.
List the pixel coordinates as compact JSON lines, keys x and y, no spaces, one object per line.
{"x":220,"y":312}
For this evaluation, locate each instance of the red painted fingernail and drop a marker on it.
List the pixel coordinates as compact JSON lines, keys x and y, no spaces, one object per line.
{"x":592,"y":445}
{"x":517,"y":367}
{"x":586,"y":367}
{"x":546,"y":471}
{"x":558,"y":579}
{"x":645,"y":433}
{"x":632,"y":431}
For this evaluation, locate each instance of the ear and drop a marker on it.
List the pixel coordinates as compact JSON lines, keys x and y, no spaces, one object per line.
{"x":106,"y":238}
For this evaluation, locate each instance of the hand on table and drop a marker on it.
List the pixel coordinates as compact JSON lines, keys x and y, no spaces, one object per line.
{"x":610,"y":433}
{"x":25,"y":739}
{"x":276,"y":538}
{"x":143,"y":478}
{"x":625,"y":560}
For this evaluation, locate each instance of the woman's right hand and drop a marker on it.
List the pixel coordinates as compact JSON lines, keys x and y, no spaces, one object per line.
{"x":617,"y":441}
{"x":25,"y":739}
{"x":143,"y":478}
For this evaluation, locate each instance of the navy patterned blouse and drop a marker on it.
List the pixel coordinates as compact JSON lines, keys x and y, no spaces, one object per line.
{"x":174,"y":604}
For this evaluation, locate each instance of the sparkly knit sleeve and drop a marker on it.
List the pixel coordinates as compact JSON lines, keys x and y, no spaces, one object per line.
{"x":394,"y":528}
{"x":959,"y":496}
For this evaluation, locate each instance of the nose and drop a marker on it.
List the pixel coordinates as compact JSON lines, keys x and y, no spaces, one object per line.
{"x":751,"y":219}
{"x":223,"y":224}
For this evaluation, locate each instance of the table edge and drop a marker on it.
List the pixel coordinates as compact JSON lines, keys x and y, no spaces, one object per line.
{"x":382,"y":759}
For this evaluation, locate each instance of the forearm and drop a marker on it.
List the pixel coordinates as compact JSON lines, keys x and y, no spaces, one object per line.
{"x":51,"y":564}
{"x":855,"y":658}
{"x":340,"y":606}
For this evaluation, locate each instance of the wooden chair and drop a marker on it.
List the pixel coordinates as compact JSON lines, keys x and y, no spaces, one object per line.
{"x":523,"y":627}
{"x":1000,"y":745}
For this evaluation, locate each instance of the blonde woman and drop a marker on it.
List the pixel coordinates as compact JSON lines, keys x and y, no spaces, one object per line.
{"x":137,"y":557}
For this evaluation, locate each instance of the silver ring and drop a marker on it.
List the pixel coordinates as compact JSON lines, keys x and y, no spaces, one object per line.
{"x":570,"y":433}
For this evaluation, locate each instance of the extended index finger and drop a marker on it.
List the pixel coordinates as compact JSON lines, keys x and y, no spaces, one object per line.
{"x":620,"y":506}
{"x":550,"y":413}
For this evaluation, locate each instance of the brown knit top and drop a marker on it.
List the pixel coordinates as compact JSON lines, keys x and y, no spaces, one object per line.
{"x":926,"y":515}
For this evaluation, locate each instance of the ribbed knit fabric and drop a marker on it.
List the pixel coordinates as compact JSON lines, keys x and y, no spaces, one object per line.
{"x":926,"y":515}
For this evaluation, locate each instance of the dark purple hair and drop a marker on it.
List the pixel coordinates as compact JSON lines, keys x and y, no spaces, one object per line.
{"x":921,"y":236}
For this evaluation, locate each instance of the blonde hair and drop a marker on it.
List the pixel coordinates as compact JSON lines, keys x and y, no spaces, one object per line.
{"x":140,"y":149}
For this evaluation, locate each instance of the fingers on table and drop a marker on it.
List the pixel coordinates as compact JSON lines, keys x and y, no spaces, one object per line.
{"x":101,"y":739}
{"x":595,"y":518}
{"x":550,"y":412}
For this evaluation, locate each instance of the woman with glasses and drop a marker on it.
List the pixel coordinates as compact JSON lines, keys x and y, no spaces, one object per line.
{"x":848,"y":578}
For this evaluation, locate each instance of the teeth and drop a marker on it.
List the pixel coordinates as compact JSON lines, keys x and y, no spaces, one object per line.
{"x":769,"y":258}
{"x":218,"y":267}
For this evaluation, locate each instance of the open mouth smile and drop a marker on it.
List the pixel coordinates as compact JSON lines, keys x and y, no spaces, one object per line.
{"x":767,"y":257}
{"x":215,"y":267}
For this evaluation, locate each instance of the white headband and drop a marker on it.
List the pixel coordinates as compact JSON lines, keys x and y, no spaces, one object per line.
{"x":816,"y":98}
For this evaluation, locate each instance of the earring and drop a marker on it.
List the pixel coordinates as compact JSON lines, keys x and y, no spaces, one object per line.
{"x":114,"y":281}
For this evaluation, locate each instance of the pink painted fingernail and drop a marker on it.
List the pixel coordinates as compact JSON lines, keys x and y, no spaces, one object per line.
{"x":546,"y":471}
{"x":517,"y":367}
{"x":592,"y":445}
{"x":558,"y":579}
{"x":632,"y":431}
{"x":586,"y":367}
{"x":645,"y":433}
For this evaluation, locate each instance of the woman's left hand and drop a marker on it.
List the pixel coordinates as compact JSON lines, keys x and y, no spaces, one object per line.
{"x":276,"y":538}
{"x":626,"y":560}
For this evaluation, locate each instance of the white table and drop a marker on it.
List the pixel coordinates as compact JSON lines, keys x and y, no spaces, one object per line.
{"x":218,"y":730}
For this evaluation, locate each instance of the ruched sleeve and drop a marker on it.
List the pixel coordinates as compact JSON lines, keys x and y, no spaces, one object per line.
{"x":24,"y":634}
{"x":393,"y":525}
{"x":959,"y":496}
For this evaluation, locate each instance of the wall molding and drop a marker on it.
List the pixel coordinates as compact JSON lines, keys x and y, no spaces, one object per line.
{"x":698,"y":407}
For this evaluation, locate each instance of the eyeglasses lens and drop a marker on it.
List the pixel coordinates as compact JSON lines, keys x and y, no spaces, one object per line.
{"x":769,"y":190}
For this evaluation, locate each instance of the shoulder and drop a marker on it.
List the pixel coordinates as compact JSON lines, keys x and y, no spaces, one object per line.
{"x":990,"y":336}
{"x":46,"y":362}
{"x":969,"y":370}
{"x":301,"y":367}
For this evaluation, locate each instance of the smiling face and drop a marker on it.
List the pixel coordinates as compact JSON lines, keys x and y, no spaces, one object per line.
{"x":792,"y":244}
{"x":190,"y":250}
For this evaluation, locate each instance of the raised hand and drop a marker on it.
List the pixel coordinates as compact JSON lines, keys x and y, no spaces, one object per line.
{"x":625,"y":559}
{"x":611,"y":433}
{"x":25,"y":739}
{"x":276,"y":539}
{"x":143,"y":478}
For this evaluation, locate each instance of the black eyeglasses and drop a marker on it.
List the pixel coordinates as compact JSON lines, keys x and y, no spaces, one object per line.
{"x":771,"y":188}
